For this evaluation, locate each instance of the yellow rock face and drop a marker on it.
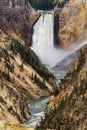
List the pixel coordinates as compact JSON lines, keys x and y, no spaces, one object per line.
{"x":73,"y":22}
{"x":8,"y":126}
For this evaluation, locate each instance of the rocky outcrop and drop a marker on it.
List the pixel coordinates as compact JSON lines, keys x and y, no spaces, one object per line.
{"x":72,"y":22}
{"x":70,"y":100}
{"x":56,"y":28}
{"x":22,"y":79}
{"x":17,"y":18}
{"x":73,"y":78}
{"x":13,"y":106}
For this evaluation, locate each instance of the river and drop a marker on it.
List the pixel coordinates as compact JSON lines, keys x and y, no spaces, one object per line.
{"x":57,"y":60}
{"x":37,"y":109}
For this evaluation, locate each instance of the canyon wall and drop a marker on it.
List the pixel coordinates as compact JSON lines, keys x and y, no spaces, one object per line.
{"x":68,"y":105}
{"x":72,"y":22}
{"x":17,"y":18}
{"x":22,"y":79}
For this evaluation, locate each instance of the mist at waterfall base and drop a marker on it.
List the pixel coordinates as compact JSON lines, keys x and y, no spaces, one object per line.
{"x":51,"y":56}
{"x":43,"y":45}
{"x":57,"y":59}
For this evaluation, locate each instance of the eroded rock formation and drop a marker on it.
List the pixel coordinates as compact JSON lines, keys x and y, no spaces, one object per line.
{"x":17,"y":18}
{"x":70,"y":100}
{"x":73,"y":22}
{"x":22,"y":79}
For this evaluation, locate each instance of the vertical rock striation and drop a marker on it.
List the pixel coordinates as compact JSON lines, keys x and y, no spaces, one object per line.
{"x":72,"y":22}
{"x":17,"y":18}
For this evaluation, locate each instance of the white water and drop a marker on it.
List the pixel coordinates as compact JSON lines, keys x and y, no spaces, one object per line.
{"x":37,"y":109}
{"x":43,"y":41}
{"x":43,"y":46}
{"x":43,"y":37}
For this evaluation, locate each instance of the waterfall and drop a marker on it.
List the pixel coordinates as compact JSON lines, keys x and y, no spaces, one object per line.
{"x":43,"y":32}
{"x":43,"y":37}
{"x":43,"y":42}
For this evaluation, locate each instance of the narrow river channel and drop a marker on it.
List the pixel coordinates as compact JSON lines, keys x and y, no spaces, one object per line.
{"x":37,"y":109}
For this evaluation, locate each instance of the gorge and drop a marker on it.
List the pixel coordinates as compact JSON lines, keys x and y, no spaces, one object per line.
{"x":43,"y":64}
{"x":58,"y":60}
{"x":43,"y":43}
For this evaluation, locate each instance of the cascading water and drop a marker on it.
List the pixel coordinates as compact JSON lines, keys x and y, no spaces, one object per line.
{"x":43,"y":32}
{"x":43,"y":37}
{"x":43,"y":41}
{"x":55,"y":58}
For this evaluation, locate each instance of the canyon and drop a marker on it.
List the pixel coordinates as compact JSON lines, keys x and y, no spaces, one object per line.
{"x":68,"y":105}
{"x":20,"y":82}
{"x":53,"y":36}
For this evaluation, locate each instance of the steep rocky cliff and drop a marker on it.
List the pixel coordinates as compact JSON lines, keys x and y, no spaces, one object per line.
{"x":17,"y":18}
{"x":22,"y":79}
{"x":70,"y":100}
{"x":72,"y":22}
{"x":13,"y":106}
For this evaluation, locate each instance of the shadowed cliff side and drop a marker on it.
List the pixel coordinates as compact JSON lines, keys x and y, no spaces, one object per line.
{"x":17,"y":18}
